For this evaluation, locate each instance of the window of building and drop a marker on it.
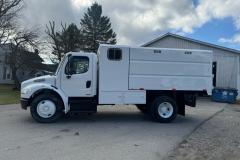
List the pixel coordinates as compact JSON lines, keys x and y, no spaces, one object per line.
{"x":8,"y":76}
{"x":114,"y":54}
{"x":77,"y":65}
{"x":4,"y":73}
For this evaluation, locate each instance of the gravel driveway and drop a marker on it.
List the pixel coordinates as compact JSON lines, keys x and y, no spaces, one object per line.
{"x":119,"y":132}
{"x":217,"y":139}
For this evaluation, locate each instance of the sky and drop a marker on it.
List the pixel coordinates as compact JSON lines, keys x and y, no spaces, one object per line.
{"x":139,"y":21}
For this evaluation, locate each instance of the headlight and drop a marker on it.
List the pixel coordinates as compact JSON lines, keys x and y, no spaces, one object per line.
{"x":26,"y":90}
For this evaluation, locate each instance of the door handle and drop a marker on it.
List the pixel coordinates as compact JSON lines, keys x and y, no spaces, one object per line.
{"x":88,"y":84}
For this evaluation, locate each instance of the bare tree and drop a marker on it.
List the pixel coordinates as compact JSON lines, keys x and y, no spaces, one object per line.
{"x":9,"y":10}
{"x":55,"y":40}
{"x":21,"y":42}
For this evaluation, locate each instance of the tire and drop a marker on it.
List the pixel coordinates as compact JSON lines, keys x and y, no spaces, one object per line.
{"x":143,"y":108}
{"x":164,"y":109}
{"x":42,"y":114}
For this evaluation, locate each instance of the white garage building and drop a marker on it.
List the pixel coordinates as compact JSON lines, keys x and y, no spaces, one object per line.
{"x":225,"y":62}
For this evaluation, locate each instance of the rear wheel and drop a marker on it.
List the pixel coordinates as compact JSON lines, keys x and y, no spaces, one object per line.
{"x":163,"y":109}
{"x":46,"y":108}
{"x":142,"y":107}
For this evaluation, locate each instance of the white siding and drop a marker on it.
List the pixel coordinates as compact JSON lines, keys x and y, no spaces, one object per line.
{"x":227,"y":72}
{"x":227,"y":62}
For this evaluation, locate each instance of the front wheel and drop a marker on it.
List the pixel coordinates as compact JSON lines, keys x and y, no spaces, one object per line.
{"x":46,"y":108}
{"x":163,"y":109}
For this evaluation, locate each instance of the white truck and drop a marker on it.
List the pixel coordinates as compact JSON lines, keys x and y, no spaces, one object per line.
{"x":158,"y":81}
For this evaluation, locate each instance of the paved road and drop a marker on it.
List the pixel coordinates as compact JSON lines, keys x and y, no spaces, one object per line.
{"x":114,"y":133}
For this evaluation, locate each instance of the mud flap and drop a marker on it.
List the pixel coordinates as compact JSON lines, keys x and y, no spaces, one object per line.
{"x":181,"y":110}
{"x":181,"y":104}
{"x":190,"y":100}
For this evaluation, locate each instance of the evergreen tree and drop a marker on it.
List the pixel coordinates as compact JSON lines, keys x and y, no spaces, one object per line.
{"x":71,"y":38}
{"x":96,"y":29}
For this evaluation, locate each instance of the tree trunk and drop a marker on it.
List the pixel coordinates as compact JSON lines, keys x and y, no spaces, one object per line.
{"x":17,"y":84}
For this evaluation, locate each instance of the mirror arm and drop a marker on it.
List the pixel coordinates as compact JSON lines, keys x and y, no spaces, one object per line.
{"x":68,"y":76}
{"x":68,"y":67}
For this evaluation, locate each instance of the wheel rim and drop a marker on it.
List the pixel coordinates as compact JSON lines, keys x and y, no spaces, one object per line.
{"x":46,"y":108}
{"x":165,"y":109}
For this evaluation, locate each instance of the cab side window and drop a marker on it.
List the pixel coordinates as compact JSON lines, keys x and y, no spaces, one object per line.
{"x":77,"y":65}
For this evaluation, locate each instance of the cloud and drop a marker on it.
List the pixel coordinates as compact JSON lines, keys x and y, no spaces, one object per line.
{"x":136,"y":21}
{"x":39,"y":13}
{"x":220,"y":9}
{"x":233,"y":40}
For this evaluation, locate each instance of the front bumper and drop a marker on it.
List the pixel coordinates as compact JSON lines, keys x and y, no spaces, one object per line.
{"x":24,"y":103}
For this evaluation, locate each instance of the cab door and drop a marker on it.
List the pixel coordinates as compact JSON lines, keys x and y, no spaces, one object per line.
{"x":77,"y":75}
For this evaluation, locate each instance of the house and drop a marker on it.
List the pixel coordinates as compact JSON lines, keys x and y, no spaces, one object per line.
{"x":24,"y":72}
{"x":226,"y":68}
{"x":5,"y":69}
{"x":31,"y":67}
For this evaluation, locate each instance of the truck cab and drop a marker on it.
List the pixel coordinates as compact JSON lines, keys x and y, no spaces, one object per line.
{"x":75,"y":78}
{"x":159,"y":82}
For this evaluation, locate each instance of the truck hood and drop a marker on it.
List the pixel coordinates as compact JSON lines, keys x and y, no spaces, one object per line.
{"x":43,"y":79}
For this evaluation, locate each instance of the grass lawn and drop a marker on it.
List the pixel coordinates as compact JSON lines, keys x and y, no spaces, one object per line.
{"x":8,"y":95}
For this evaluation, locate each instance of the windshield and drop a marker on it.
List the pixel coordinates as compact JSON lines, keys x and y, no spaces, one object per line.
{"x":60,"y":65}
